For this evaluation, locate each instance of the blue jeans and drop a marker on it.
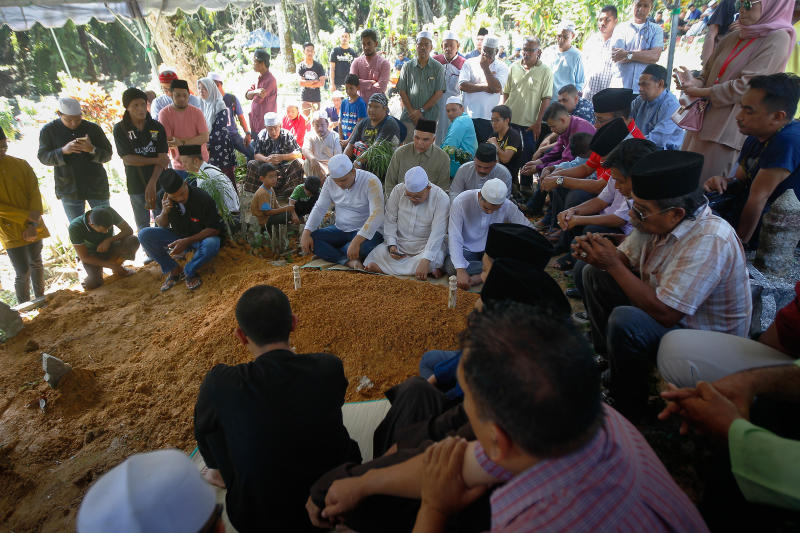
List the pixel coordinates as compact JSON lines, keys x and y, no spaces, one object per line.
{"x":75,"y":208}
{"x":238,"y":144}
{"x":141,"y":215}
{"x":155,"y":241}
{"x":473,"y":258}
{"x":331,"y":244}
{"x":432,"y":358}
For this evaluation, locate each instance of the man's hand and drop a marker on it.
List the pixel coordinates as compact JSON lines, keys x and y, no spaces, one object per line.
{"x":492,"y":141}
{"x":150,"y":195}
{"x":547,"y":171}
{"x":529,"y":168}
{"x":619,"y":55}
{"x":121,"y":271}
{"x":178,"y":247}
{"x":462,"y":279}
{"x":443,"y":488}
{"x":314,"y":514}
{"x":306,"y":242}
{"x":704,"y":408}
{"x":684,"y":78}
{"x":716,"y":184}
{"x":485,"y":62}
{"x":295,"y":218}
{"x":354,"y":250}
{"x":105,"y":245}
{"x":548,"y":183}
{"x":423,"y":268}
{"x":274,"y":159}
{"x":597,"y":251}
{"x":166,"y":204}
{"x":248,"y":139}
{"x":85,"y":144}
{"x":29,"y":233}
{"x":72,"y":147}
{"x":414,"y":115}
{"x":173,"y":142}
{"x":564,"y":217}
{"x":394,"y":252}
{"x":343,"y":496}
{"x":536,"y":129}
{"x":262,"y":93}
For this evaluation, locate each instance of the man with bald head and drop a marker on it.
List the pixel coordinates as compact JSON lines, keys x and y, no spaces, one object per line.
{"x":452,"y":62}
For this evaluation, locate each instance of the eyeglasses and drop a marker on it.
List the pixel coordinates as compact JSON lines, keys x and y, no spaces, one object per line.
{"x":642,"y":217}
{"x":746,"y":4}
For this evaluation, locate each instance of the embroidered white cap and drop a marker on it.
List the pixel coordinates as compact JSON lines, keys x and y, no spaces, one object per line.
{"x":271,"y":119}
{"x":449,"y":35}
{"x":494,"y":191}
{"x":425,"y":35}
{"x":339,"y":165}
{"x":491,"y":41}
{"x":69,"y":106}
{"x":455,"y":99}
{"x":416,"y":179}
{"x":215,"y":76}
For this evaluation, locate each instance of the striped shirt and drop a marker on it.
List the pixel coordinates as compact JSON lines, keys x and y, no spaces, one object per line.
{"x":600,"y":68}
{"x":699,"y":269}
{"x":614,"y":483}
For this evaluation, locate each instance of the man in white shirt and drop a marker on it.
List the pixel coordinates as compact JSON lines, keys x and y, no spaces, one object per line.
{"x":471,"y":214}
{"x":357,"y":196}
{"x":474,"y":174}
{"x":192,"y":160}
{"x":319,"y":146}
{"x":482,"y":80}
{"x":414,"y":229}
{"x":600,"y":67}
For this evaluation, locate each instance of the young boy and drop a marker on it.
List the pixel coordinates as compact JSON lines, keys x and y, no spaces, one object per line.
{"x":265,"y":206}
{"x":353,"y":109}
{"x":305,"y":196}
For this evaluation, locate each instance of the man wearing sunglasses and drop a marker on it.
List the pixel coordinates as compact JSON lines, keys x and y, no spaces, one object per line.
{"x":681,"y":267}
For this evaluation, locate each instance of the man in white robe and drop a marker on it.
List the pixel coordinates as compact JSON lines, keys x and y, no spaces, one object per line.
{"x":414,"y":229}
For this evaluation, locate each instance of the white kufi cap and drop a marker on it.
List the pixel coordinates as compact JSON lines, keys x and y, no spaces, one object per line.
{"x":69,"y":106}
{"x":339,"y":165}
{"x":450,"y":35}
{"x":271,"y":119}
{"x":425,"y":35}
{"x":491,"y":41}
{"x":416,"y":179}
{"x":455,"y":99}
{"x":494,"y":191}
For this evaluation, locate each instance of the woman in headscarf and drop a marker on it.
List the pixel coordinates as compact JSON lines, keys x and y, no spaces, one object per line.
{"x":761,"y":46}
{"x":220,"y":147}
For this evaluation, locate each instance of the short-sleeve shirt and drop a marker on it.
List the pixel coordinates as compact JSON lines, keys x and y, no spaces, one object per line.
{"x":526,"y":89}
{"x":341,"y":58}
{"x":299,"y":193}
{"x":634,"y":38}
{"x":420,"y":83}
{"x":351,"y":113}
{"x":781,"y":151}
{"x":80,"y":233}
{"x":368,"y":134}
{"x":183,"y":124}
{"x":234,"y":110}
{"x":723,"y":16}
{"x":480,"y":104}
{"x":512,"y":141}
{"x":312,"y":73}
{"x":149,"y":142}
{"x":198,"y":213}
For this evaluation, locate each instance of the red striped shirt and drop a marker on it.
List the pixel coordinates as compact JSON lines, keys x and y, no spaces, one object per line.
{"x":614,"y":483}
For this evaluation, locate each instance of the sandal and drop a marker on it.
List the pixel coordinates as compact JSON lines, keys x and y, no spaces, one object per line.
{"x":564,"y":263}
{"x":170,"y":282}
{"x":193,"y":283}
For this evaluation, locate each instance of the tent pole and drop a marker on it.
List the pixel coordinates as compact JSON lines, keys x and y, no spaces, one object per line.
{"x":675,"y":9}
{"x":146,"y":36}
{"x":63,"y":60}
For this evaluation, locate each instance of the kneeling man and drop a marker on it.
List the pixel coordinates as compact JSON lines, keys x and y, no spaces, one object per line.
{"x":414,"y":229}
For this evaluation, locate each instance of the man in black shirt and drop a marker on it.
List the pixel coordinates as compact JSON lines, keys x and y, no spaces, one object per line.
{"x":188,"y":221}
{"x":77,"y":149}
{"x":269,"y":428}
{"x":312,"y":78}
{"x":341,"y":58}
{"x":507,"y":140}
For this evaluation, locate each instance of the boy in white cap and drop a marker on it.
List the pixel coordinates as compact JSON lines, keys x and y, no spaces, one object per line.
{"x":77,"y":149}
{"x":160,"y":491}
{"x":279,"y":147}
{"x":319,"y":146}
{"x":460,"y":141}
{"x":414,"y":229}
{"x":452,"y":62}
{"x":421,"y":85}
{"x":357,"y":196}
{"x":482,"y":80}
{"x":471,"y":214}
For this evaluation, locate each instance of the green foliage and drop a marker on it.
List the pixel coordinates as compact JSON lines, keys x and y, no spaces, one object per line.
{"x":376,"y":158}
{"x":7,"y":122}
{"x":216,"y":189}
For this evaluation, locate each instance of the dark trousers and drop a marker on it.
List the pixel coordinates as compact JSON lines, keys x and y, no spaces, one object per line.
{"x":331,"y":244}
{"x":627,"y":335}
{"x":27,"y":263}
{"x":124,"y":249}
{"x":238,"y":144}
{"x":529,"y":145}
{"x":304,"y":207}
{"x":483,"y":129}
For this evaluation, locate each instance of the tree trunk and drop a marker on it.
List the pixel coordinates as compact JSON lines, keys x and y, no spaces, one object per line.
{"x":311,"y":20}
{"x":174,"y":51}
{"x":85,"y":46}
{"x":284,"y":36}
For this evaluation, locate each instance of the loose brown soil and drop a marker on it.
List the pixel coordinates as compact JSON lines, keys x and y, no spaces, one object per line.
{"x":139,"y":357}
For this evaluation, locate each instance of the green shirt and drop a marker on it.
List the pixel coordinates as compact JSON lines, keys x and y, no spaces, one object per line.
{"x":526,"y":89}
{"x":434,"y":160}
{"x":81,"y":234}
{"x":419,"y":84}
{"x":766,"y":466}
{"x":299,"y":193}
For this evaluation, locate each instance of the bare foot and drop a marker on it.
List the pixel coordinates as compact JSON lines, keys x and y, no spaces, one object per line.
{"x":212,"y":477}
{"x":373,"y":267}
{"x":355,"y":264}
{"x":475,"y":280}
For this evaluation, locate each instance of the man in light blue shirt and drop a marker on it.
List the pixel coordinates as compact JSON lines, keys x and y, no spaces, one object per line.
{"x":652,"y":110}
{"x":565,"y":60}
{"x":638,"y":44}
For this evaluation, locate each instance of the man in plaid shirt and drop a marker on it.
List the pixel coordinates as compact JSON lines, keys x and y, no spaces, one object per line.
{"x":279,"y":147}
{"x":600,"y":67}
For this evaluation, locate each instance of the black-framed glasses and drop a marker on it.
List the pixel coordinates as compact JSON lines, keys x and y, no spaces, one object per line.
{"x":746,"y":4}
{"x":642,"y":217}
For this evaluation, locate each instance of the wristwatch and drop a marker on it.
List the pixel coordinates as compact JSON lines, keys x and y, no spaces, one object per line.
{"x":630,"y":56}
{"x":560,"y":181}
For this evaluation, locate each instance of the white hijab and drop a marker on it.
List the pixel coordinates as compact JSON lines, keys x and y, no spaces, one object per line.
{"x":213,"y":104}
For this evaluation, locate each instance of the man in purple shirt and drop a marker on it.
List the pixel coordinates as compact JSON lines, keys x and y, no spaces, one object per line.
{"x":565,"y":125}
{"x":264,"y":93}
{"x":371,"y":67}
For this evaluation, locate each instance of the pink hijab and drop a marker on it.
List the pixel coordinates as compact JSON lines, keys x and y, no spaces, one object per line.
{"x":775,"y":15}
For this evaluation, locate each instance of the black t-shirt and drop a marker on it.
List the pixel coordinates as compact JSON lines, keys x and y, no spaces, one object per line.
{"x":512,"y":140}
{"x":198,"y":213}
{"x":723,"y":16}
{"x":272,"y":427}
{"x":312,"y":73}
{"x":149,"y":142}
{"x":342,"y":57}
{"x":369,"y":134}
{"x":81,"y":233}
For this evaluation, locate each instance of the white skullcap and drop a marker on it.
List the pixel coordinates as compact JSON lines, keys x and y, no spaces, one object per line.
{"x":316,"y":115}
{"x":450,"y":35}
{"x":566,"y":25}
{"x":425,"y":35}
{"x":160,"y":491}
{"x":167,"y":69}
{"x":339,"y":165}
{"x":494,"y":191}
{"x":416,"y":179}
{"x":491,"y":41}
{"x":337,"y":94}
{"x":215,"y":76}
{"x":455,"y":99}
{"x":69,"y":106}
{"x":271,"y":119}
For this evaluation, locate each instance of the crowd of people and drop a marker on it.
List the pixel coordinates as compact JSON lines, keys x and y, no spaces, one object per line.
{"x":493,"y":171}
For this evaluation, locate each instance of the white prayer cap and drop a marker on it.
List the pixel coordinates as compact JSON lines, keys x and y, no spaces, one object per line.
{"x":271,"y":119}
{"x":491,"y":41}
{"x":494,"y":191}
{"x":337,"y":94}
{"x":167,"y":69}
{"x":339,"y":165}
{"x":566,"y":25}
{"x":316,"y":115}
{"x":215,"y":76}
{"x":69,"y":106}
{"x":455,"y":99}
{"x":416,"y":179}
{"x":424,"y":35}
{"x":449,"y":35}
{"x":160,"y":491}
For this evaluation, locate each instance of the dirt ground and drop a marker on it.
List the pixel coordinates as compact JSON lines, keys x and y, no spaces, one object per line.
{"x":139,"y":357}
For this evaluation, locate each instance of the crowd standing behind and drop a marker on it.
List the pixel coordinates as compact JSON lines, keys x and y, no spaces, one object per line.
{"x":588,"y":142}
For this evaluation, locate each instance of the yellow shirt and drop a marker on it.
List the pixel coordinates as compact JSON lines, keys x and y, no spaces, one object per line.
{"x":526,"y":89}
{"x":794,"y":61}
{"x":19,"y":195}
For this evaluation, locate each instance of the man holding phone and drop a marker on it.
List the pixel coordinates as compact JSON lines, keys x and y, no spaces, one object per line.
{"x":188,"y":221}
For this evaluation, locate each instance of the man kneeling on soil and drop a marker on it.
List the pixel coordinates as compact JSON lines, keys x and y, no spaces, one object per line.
{"x":92,"y":235}
{"x":188,"y":221}
{"x":269,"y":428}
